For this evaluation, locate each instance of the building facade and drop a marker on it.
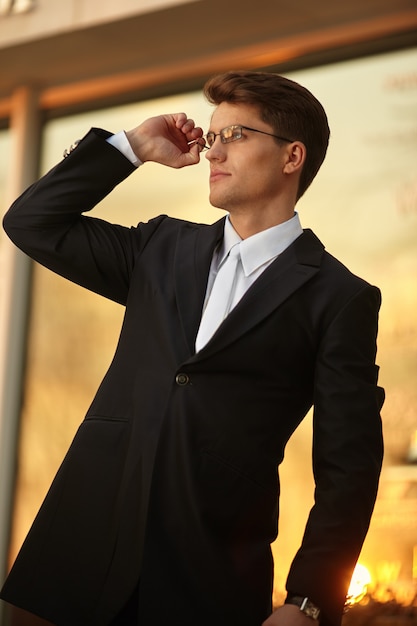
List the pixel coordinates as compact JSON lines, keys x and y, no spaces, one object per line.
{"x":68,"y":66}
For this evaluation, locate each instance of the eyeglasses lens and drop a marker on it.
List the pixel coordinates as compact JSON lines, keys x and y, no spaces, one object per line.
{"x":231,"y":133}
{"x":227,"y":135}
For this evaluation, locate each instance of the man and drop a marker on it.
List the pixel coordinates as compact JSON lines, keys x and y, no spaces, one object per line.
{"x":166,"y":504}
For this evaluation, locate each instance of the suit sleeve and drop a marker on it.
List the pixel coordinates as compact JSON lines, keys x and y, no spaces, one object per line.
{"x":347,"y":455}
{"x":46,"y":221}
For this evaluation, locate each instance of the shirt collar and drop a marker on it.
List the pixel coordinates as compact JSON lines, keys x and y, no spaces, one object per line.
{"x":262,"y":247}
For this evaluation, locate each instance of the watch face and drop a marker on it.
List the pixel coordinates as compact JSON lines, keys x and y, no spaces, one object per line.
{"x":305,"y":605}
{"x":312,"y":611}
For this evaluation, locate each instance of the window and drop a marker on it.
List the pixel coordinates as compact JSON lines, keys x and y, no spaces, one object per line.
{"x":363,"y":206}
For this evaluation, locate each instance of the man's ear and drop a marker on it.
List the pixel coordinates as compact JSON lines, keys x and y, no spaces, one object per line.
{"x":296,"y":156}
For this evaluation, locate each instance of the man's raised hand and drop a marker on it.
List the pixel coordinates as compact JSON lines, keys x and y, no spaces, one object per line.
{"x":173,"y":140}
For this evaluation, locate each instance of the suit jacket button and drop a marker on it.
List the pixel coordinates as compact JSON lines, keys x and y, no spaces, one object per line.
{"x":182,"y":379}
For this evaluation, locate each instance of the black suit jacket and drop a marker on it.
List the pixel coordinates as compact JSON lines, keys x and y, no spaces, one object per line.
{"x":172,"y":476}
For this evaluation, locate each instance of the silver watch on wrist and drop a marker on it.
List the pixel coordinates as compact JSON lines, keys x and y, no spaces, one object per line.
{"x":305,"y":605}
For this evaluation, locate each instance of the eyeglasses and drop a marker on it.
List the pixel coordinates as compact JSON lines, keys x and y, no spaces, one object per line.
{"x":234,"y":133}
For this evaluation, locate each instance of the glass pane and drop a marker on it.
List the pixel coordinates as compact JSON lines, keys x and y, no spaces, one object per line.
{"x":363,"y":206}
{"x":73,"y":333}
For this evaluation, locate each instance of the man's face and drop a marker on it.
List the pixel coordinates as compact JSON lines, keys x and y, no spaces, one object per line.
{"x":246,"y":174}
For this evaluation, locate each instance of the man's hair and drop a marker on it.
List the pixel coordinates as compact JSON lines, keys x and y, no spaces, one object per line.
{"x":289,"y":108}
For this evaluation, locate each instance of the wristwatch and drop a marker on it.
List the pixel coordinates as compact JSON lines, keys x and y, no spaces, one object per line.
{"x":305,"y":605}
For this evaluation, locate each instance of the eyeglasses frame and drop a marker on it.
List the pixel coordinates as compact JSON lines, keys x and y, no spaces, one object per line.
{"x":232,"y":139}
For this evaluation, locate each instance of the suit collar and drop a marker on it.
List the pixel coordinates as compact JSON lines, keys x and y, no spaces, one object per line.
{"x":292,"y":269}
{"x":195,"y":247}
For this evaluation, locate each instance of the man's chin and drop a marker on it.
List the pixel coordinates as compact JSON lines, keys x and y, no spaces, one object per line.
{"x":217,"y":203}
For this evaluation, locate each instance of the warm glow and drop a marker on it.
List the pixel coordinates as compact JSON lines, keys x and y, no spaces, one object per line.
{"x":358,"y":584}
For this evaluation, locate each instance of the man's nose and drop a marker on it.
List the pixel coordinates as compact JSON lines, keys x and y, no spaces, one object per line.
{"x":216,"y":151}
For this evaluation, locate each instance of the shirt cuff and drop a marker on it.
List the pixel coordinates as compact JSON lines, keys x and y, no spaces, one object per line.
{"x":121,"y":142}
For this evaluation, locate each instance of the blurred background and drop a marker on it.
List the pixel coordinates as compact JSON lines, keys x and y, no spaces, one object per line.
{"x":68,"y":66}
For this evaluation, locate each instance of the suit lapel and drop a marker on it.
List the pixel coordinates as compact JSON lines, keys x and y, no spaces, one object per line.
{"x":195,"y":247}
{"x":294,"y":267}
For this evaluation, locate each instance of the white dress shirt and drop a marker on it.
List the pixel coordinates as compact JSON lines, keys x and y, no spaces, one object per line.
{"x":257,"y":253}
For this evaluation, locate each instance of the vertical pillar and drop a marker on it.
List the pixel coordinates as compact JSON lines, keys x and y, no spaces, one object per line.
{"x":25,"y":126}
